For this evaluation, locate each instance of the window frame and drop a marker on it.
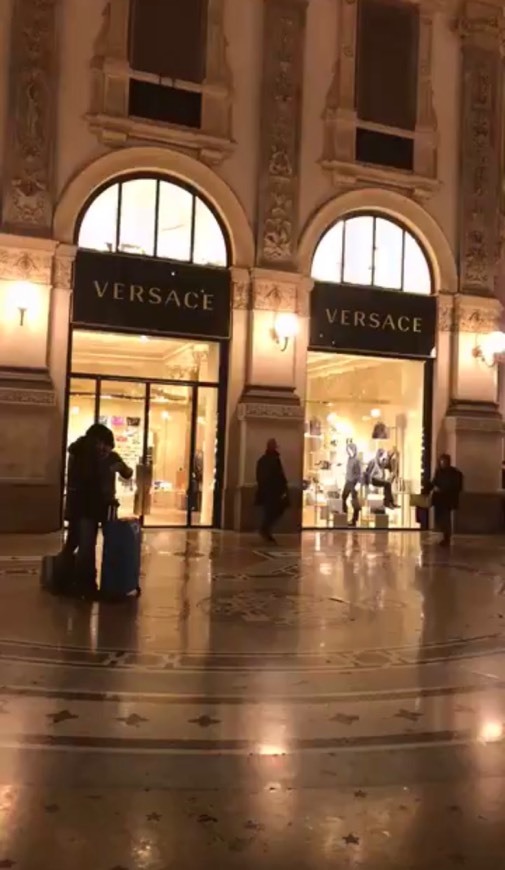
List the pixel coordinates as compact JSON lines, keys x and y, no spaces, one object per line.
{"x":159,"y":178}
{"x":375,"y":215}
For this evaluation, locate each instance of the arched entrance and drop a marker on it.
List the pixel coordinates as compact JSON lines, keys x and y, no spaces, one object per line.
{"x":149,"y":342}
{"x":369,"y":375}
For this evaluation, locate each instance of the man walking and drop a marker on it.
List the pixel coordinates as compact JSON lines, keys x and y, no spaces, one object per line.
{"x":272,"y":489}
{"x":446,"y":486}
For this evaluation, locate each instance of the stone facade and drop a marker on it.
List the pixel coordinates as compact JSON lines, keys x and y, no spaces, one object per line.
{"x":275,"y":155}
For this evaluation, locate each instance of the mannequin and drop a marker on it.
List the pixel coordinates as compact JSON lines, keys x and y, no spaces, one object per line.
{"x":352,"y":479}
{"x":378,"y":477}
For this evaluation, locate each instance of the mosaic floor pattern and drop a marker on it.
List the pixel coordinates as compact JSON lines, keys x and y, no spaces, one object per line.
{"x":337,"y":701}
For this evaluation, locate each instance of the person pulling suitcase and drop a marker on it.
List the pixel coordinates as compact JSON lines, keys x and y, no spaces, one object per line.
{"x":91,"y":494}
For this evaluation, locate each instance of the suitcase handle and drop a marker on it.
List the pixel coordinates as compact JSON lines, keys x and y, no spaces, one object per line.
{"x":112,"y":512}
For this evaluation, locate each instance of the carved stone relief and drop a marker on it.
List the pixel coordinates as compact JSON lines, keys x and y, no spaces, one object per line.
{"x":63,"y":270}
{"x":445,"y":308}
{"x":30,"y":135}
{"x":274,"y":296}
{"x":472,"y":316}
{"x":481,"y":28}
{"x":268,"y":411}
{"x":22,"y":265}
{"x":283,"y":45}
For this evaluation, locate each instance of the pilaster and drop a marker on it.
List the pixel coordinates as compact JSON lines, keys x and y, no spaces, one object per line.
{"x":28,"y":191}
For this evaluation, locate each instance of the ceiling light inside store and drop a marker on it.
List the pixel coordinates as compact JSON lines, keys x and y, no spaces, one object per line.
{"x":375,"y":412}
{"x":144,"y":338}
{"x":165,"y":415}
{"x":75,"y":410}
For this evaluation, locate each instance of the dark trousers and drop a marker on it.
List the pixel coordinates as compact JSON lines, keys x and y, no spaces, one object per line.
{"x":81,"y":540}
{"x":350,"y":490}
{"x":388,"y":490}
{"x":270,"y":513}
{"x":443,"y":522}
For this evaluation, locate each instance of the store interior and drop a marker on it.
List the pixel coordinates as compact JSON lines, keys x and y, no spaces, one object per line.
{"x":363,"y":441}
{"x":145,"y":389}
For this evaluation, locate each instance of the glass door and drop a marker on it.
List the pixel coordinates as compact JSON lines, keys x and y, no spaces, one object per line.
{"x":167,"y":460}
{"x":203,"y":477}
{"x":121,"y":407}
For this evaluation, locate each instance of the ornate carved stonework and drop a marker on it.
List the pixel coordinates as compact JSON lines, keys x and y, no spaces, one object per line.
{"x":445,"y":308}
{"x":63,"y":270}
{"x":30,"y":135}
{"x":13,"y":396}
{"x":283,"y":46}
{"x":475,"y":317}
{"x":481,"y":28}
{"x":241,"y":295}
{"x":110,"y":83}
{"x":274,"y":296}
{"x":270,"y":411}
{"x":22,"y":265}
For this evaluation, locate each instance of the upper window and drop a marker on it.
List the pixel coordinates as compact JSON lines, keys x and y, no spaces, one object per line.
{"x":153,"y":218}
{"x":387,"y":48}
{"x":372,"y":251}
{"x":167,"y":53}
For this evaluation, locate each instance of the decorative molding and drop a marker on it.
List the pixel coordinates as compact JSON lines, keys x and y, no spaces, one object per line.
{"x":274,"y":296}
{"x":445,"y":310}
{"x":28,"y":196}
{"x":481,"y":28}
{"x":23,"y":265}
{"x":11,"y":396}
{"x":283,"y":47}
{"x":110,"y":73}
{"x":241,"y":295}
{"x":63,"y":273}
{"x":477,"y":316}
{"x":270,"y":411}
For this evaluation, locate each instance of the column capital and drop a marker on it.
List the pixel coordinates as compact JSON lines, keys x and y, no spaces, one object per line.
{"x":481,"y":23}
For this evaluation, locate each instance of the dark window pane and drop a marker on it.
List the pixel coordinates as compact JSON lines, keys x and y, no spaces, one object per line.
{"x":168,"y":38}
{"x":387,"y":55}
{"x":384,"y":150}
{"x":159,"y":103}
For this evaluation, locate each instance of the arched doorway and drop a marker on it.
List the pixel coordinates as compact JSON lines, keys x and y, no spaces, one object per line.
{"x":369,"y":375}
{"x":149,"y":343}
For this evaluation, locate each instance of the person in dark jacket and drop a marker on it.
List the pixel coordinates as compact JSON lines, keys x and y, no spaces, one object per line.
{"x":91,"y":492}
{"x":272,"y":489}
{"x":446,"y":488}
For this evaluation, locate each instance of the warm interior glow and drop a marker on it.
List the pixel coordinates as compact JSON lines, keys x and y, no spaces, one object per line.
{"x":286,"y":325}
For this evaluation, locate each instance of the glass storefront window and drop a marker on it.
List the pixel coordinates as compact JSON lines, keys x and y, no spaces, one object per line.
{"x":358,"y":246}
{"x":210,"y":247}
{"x":152,"y":217}
{"x":174,"y":222}
{"x":364,"y":425}
{"x":142,"y":357}
{"x":138,"y":211}
{"x":370,"y":250}
{"x":388,"y":255}
{"x":122,"y":409}
{"x":99,"y":226}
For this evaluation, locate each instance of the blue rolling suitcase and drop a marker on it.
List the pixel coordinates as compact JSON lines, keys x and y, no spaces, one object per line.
{"x":120,"y":575}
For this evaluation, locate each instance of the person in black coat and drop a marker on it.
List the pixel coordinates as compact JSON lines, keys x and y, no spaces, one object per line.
{"x":446,"y":488}
{"x":272,"y":489}
{"x":91,"y":491}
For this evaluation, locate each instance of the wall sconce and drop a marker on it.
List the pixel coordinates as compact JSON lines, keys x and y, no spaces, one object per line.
{"x":23,"y":299}
{"x":285,"y":327}
{"x":491,"y":348}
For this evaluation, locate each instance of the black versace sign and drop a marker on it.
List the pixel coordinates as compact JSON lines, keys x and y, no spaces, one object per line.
{"x":149,"y":295}
{"x":372,"y":321}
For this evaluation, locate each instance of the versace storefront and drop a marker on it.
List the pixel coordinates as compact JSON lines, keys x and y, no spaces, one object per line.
{"x":149,"y":344}
{"x":368,"y":419}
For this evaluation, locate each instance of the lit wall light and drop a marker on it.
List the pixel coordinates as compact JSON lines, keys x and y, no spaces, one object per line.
{"x":491,"y":348}
{"x":375,"y":412}
{"x":286,"y":326}
{"x":23,"y":301}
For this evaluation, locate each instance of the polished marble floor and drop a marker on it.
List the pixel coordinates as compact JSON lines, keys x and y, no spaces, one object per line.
{"x":335,"y":702}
